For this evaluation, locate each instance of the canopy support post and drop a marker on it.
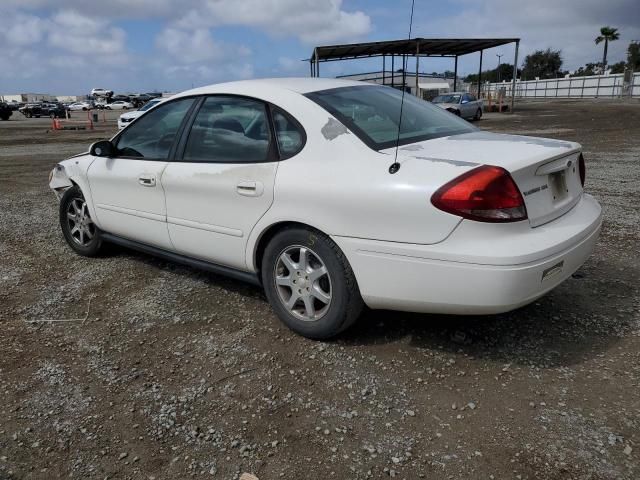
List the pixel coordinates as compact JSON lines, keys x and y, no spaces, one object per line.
{"x":455,"y":75}
{"x":480,"y":74}
{"x":515,"y":74}
{"x":393,"y":70}
{"x":417,"y":67}
{"x":384,"y":68}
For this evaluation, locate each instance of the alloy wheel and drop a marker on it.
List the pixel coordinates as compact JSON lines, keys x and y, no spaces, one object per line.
{"x":81,"y":227}
{"x":303,"y":283}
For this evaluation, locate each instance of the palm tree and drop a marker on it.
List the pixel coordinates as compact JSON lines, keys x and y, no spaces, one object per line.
{"x":607,"y":34}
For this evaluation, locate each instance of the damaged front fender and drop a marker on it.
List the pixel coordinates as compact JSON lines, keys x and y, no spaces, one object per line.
{"x":59,"y":181}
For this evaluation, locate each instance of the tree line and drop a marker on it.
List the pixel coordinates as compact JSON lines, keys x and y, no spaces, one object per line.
{"x":548,"y":63}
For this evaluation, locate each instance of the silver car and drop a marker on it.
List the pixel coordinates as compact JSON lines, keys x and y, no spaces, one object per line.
{"x":463,"y":104}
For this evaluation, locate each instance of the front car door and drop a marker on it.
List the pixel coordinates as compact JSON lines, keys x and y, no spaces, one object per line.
{"x":125,"y":189}
{"x":464,"y":105}
{"x":472,"y":105}
{"x":224,"y":182}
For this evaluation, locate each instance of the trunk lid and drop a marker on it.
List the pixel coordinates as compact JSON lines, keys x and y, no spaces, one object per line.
{"x":545,"y":170}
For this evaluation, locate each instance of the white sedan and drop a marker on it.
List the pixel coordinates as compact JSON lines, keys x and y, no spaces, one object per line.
{"x":79,"y":106}
{"x":119,"y":105}
{"x":129,"y":117}
{"x":294,"y":185}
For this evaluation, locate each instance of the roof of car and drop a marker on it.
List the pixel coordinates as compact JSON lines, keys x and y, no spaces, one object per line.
{"x":296,"y":84}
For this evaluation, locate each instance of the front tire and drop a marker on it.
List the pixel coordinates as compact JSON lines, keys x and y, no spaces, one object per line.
{"x":82,"y":235}
{"x":310,"y":284}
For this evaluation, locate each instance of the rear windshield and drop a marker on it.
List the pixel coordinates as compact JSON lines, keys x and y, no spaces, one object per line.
{"x":373,"y":113}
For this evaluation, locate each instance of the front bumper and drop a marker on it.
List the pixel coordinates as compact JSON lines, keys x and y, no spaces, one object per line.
{"x":479,"y":269}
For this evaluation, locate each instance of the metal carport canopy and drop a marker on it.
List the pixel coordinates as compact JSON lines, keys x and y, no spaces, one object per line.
{"x":416,"y":47}
{"x":424,"y":47}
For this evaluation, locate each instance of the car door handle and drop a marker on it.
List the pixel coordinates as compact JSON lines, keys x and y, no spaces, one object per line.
{"x":147,"y":180}
{"x":250,"y":188}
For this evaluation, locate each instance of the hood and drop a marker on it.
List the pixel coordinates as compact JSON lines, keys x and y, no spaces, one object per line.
{"x":447,"y":105}
{"x":134,"y":114}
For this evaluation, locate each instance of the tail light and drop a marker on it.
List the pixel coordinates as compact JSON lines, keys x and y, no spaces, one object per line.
{"x":583,"y":169}
{"x":485,"y":194}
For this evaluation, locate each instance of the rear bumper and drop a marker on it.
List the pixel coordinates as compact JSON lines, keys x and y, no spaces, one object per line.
{"x":479,"y":269}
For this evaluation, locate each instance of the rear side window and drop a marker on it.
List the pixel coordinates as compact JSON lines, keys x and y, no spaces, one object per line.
{"x":289,"y":133}
{"x":229,"y":130}
{"x":152,"y":136}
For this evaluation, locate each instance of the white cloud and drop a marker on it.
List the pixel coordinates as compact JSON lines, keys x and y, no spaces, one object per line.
{"x":23,"y":30}
{"x":73,"y":43}
{"x":567,"y":25}
{"x":70,"y":44}
{"x":291,"y":66}
{"x":194,"y":56}
{"x":312,"y":21}
{"x":189,"y":46}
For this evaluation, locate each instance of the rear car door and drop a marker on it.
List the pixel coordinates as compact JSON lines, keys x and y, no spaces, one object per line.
{"x":126,"y":190}
{"x":224,"y":181}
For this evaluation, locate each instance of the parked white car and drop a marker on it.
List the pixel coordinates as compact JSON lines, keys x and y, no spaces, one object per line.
{"x":129,"y":117}
{"x":101,"y":92}
{"x":288,"y":184}
{"x":463,"y":104}
{"x":79,"y":106}
{"x":119,"y":105}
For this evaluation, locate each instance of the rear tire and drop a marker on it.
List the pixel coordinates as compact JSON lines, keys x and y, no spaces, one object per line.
{"x":478,"y":115}
{"x":82,"y":235}
{"x":310,"y":284}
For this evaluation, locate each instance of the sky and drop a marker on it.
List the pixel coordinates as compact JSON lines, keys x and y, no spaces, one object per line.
{"x":68,"y":47}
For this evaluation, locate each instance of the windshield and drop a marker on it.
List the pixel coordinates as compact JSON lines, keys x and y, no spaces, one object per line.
{"x":447,"y":99}
{"x":148,"y":105}
{"x":372,"y":113}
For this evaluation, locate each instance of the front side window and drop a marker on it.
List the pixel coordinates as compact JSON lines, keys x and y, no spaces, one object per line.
{"x":154,"y":133}
{"x":229,"y":130}
{"x":373,"y":114}
{"x":290,"y":136}
{"x":470,"y":97}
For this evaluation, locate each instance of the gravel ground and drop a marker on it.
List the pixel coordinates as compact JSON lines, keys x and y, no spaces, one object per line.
{"x":161,"y":371}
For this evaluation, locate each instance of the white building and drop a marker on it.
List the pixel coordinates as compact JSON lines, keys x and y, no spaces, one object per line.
{"x":71,"y":98}
{"x":28,"y":97}
{"x":429,"y":85}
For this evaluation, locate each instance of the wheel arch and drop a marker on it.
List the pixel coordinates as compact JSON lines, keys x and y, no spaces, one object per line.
{"x":72,"y":173}
{"x":267,"y":234}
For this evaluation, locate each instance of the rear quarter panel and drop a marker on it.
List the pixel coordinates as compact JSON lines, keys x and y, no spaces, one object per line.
{"x":342,"y":187}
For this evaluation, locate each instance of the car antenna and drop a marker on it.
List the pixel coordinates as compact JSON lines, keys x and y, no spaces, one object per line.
{"x":395,"y":166}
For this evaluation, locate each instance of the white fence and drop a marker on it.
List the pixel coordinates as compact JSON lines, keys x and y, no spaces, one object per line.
{"x":608,"y":86}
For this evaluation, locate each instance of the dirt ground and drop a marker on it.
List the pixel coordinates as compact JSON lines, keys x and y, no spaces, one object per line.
{"x":162,"y":371}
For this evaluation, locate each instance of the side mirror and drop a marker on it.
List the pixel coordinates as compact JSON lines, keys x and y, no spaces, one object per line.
{"x":464,"y":101}
{"x":103,"y":148}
